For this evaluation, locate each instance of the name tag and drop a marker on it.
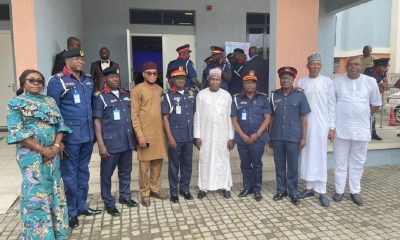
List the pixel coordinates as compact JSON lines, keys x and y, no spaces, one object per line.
{"x":77,"y":98}
{"x":117,"y":114}
{"x":244,"y":116}
{"x":178,"y":109}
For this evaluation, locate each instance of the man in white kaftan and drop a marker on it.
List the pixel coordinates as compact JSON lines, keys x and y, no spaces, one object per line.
{"x":321,"y":126}
{"x":213,"y":133}
{"x":357,"y":98}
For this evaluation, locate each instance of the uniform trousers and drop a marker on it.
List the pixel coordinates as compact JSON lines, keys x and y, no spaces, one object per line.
{"x":149,"y":183}
{"x":75,"y":174}
{"x":317,"y":186}
{"x":251,"y":165}
{"x":180,"y":163}
{"x":350,"y":155}
{"x":286,"y":157}
{"x":107,"y":166}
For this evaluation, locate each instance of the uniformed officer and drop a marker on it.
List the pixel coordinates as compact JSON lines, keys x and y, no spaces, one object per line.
{"x":251,"y":114}
{"x":115,"y":138}
{"x":288,"y":132}
{"x":183,"y":60}
{"x":236,"y":83}
{"x":178,"y":107}
{"x":72,"y":89}
{"x":379,"y":72}
{"x":218,"y":61}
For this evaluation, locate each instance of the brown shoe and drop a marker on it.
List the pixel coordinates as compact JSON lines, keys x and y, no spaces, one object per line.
{"x":145,"y":201}
{"x":159,"y":195}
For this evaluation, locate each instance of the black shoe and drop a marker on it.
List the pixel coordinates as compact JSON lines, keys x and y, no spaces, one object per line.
{"x":295,"y":201}
{"x":174,"y":199}
{"x":73,"y":222}
{"x":279,"y":196}
{"x":128,"y":202}
{"x":186,"y":195}
{"x":112,"y":210}
{"x":257,"y":196}
{"x":376,"y":137}
{"x":90,"y":212}
{"x":357,"y":199}
{"x":201,"y":194}
{"x":226,"y":194}
{"x":244,"y":193}
{"x":337,"y":197}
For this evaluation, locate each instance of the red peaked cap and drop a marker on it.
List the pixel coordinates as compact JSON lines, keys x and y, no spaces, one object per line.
{"x":287,"y":70}
{"x":149,"y":65}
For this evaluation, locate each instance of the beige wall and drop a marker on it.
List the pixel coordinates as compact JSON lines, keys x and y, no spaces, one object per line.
{"x":24,"y":35}
{"x":296,"y":33}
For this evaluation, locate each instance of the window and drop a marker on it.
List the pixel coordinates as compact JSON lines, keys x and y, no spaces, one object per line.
{"x":257,"y":29}
{"x":161,"y":17}
{"x":4,"y":12}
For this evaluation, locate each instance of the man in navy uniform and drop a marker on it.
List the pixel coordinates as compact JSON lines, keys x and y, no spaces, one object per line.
{"x":115,"y":138}
{"x":178,"y":107}
{"x":72,"y":89}
{"x":379,"y":72}
{"x":183,"y":60}
{"x":218,"y":61}
{"x":251,"y":115}
{"x":236,"y":83}
{"x":288,"y":132}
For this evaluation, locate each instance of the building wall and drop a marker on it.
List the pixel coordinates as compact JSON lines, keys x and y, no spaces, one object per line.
{"x":55,"y":22}
{"x":108,"y":28}
{"x":366,"y":24}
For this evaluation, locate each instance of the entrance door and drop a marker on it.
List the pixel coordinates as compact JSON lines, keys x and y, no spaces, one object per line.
{"x":7,"y":80}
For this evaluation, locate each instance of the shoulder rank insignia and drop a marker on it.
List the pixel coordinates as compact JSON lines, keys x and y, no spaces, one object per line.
{"x":298,"y":89}
{"x":60,"y":75}
{"x":88,"y":75}
{"x":97,"y":93}
{"x":261,"y":93}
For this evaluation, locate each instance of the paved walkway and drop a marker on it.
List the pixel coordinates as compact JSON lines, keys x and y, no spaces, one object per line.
{"x":236,"y":218}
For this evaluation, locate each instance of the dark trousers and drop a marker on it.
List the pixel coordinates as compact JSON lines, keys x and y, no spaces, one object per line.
{"x":75,"y":174}
{"x":373,"y":125}
{"x":180,"y":163}
{"x":107,"y":166}
{"x":286,"y":157}
{"x":251,"y":165}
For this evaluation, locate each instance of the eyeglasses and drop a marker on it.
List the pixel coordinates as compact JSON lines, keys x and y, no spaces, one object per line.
{"x":151,"y":73}
{"x":36,"y":81}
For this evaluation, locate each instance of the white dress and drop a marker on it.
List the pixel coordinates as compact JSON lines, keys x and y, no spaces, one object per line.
{"x":213,"y":125}
{"x":320,"y":94}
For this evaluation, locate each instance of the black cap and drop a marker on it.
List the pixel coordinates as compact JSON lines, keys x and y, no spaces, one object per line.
{"x":183,"y":48}
{"x":238,"y":50}
{"x":381,"y":62}
{"x":110,"y":70}
{"x":74,"y":52}
{"x":230,"y":55}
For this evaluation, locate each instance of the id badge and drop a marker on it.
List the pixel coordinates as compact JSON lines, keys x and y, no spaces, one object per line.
{"x":117,"y":114}
{"x":77,"y":98}
{"x":178,"y":109}
{"x":244,"y":116}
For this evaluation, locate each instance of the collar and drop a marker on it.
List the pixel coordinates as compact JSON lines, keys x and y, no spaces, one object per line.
{"x":69,"y":74}
{"x":181,"y":57}
{"x":107,"y":90}
{"x":375,"y":72}
{"x":253,"y":57}
{"x":105,"y":61}
{"x":291,"y":89}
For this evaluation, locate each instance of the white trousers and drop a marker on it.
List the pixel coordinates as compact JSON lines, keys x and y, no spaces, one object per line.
{"x":318,"y":186}
{"x":351,"y":155}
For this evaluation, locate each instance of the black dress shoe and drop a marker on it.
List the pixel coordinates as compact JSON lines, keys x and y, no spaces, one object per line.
{"x":73,"y":222}
{"x":376,"y":137}
{"x":279,"y":196}
{"x":112,"y":210}
{"x":226,"y":194}
{"x":128,"y":202}
{"x":244,"y":193}
{"x":186,"y":195}
{"x":174,"y":199}
{"x":295,"y":201}
{"x":257,"y":196}
{"x":90,"y":212}
{"x":201,"y":194}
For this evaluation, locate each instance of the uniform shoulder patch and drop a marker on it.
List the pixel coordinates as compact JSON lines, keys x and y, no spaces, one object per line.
{"x":59,"y":75}
{"x":299,"y":89}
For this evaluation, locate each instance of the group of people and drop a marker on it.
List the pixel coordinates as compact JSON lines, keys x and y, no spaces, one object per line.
{"x":296,"y":121}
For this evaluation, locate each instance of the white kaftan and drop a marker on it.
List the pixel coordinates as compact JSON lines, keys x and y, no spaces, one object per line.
{"x":212,"y":124}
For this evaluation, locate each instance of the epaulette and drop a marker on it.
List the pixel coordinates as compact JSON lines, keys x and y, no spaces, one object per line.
{"x":88,"y":75}
{"x":276,"y":90}
{"x":298,"y":89}
{"x":123,"y":90}
{"x":97,"y":93}
{"x":59,"y":75}
{"x":235,"y":95}
{"x":165,"y":91}
{"x":261,"y":93}
{"x":191,"y":91}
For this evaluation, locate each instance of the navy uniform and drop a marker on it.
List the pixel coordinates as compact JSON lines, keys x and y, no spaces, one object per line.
{"x":114,"y":110}
{"x":180,"y":108}
{"x":236,"y":83}
{"x":74,"y":99}
{"x":286,"y":133}
{"x":182,"y":61}
{"x":219,"y":63}
{"x":381,"y":79}
{"x":250,"y":114}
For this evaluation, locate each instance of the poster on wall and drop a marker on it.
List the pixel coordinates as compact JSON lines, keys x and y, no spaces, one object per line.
{"x":230,"y":46}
